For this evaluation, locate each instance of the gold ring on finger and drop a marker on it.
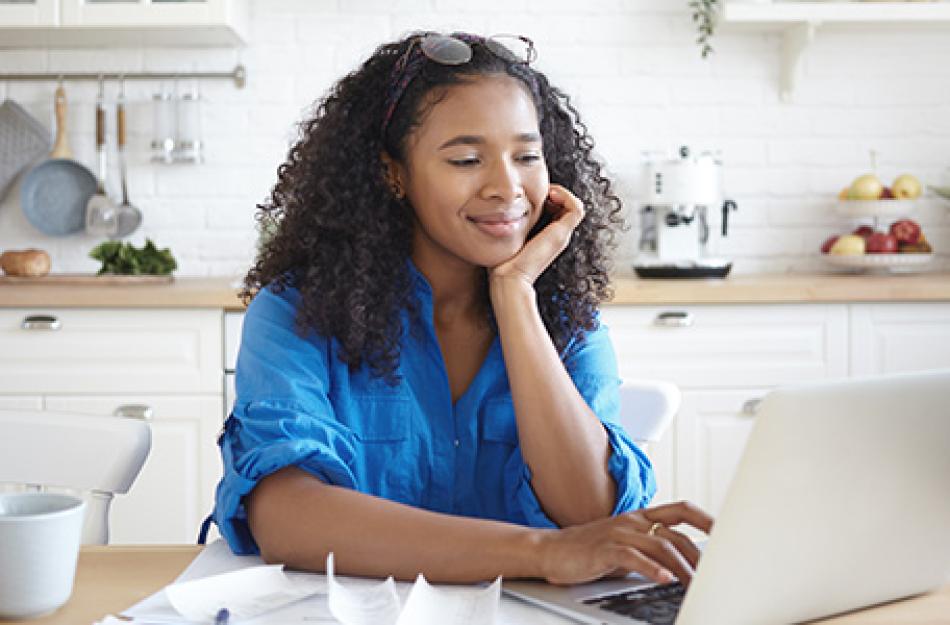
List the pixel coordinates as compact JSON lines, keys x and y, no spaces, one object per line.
{"x":653,"y":528}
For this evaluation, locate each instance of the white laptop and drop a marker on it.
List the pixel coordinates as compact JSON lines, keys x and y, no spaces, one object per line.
{"x":841,"y":501}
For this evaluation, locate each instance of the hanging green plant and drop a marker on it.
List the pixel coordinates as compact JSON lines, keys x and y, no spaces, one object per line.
{"x":705,"y":14}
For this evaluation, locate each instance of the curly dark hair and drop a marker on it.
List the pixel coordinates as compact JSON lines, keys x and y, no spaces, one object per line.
{"x":342,"y":238}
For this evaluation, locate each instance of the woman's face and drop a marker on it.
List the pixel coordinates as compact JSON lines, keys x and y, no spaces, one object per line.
{"x":475,"y":174}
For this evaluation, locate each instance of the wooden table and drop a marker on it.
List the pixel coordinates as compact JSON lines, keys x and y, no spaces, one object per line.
{"x":113,"y":578}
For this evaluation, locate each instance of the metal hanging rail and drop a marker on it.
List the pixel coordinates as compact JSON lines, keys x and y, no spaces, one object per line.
{"x":238,"y":75}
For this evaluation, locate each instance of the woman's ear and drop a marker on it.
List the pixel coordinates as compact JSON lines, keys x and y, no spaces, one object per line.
{"x":392,"y":175}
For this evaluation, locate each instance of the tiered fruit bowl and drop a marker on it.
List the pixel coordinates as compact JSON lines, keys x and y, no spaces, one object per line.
{"x":907,"y":260}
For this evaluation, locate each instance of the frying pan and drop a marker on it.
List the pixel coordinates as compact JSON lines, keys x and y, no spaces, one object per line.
{"x":55,"y":192}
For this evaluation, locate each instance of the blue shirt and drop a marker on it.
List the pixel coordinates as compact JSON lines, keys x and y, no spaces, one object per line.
{"x":298,"y":404}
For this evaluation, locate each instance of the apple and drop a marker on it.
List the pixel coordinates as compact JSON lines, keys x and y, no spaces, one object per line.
{"x":866,"y":187}
{"x":848,"y":245}
{"x":887,"y":194}
{"x":920,"y":247}
{"x":826,"y":246}
{"x":863,"y":231}
{"x":906,"y":187}
{"x":906,"y":231}
{"x":881,"y":243}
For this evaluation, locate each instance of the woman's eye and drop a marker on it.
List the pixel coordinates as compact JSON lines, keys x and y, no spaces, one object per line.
{"x":530,"y":158}
{"x":464,"y":162}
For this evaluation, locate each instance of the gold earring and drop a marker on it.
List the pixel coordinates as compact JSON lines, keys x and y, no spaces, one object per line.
{"x":394,"y":185}
{"x":397,"y":190}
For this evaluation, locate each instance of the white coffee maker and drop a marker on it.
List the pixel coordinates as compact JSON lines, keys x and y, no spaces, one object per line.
{"x":682,"y":209}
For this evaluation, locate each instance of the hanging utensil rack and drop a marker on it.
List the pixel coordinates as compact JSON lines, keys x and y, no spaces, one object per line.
{"x":238,"y":75}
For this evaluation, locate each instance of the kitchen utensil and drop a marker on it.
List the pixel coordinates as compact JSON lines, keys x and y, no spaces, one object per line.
{"x":100,"y":210}
{"x":54,"y":194}
{"x":128,"y":217}
{"x":23,"y":139}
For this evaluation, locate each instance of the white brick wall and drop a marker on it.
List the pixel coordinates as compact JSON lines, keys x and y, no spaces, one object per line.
{"x":632,"y":68}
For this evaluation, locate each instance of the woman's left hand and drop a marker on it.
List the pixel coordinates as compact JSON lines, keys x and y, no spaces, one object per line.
{"x":539,"y":252}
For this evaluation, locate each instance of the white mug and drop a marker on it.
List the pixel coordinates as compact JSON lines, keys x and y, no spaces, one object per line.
{"x":39,"y":543}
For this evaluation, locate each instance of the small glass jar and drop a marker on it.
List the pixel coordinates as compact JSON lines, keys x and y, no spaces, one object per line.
{"x":189,"y":144}
{"x":164,"y":127}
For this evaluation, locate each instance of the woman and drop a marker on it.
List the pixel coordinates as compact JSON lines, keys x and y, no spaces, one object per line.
{"x":423,"y":385}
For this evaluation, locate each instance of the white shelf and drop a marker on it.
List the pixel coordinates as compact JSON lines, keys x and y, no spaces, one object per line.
{"x":800,"y":21}
{"x":778,"y":13}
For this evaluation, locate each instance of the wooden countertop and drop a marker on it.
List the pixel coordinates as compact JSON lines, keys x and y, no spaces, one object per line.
{"x":218,"y":292}
{"x":111,"y":578}
{"x":787,"y":288}
{"x":760,"y":288}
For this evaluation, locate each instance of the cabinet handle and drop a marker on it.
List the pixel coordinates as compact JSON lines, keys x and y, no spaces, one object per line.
{"x":750,"y":407}
{"x":674,"y":319}
{"x":134,"y":411}
{"x":40,"y":322}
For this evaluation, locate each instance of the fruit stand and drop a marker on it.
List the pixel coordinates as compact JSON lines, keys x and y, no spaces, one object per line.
{"x":900,"y":247}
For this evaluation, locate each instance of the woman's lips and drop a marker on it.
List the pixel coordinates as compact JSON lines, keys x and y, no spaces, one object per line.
{"x":499,"y":226}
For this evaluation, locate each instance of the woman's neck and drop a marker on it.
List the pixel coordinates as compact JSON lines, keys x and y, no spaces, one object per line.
{"x":457,"y":287}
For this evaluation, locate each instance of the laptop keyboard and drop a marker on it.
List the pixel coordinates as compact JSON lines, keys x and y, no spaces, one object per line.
{"x":657,"y":605}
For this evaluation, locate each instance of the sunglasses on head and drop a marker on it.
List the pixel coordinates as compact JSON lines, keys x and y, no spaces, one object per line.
{"x":450,"y":50}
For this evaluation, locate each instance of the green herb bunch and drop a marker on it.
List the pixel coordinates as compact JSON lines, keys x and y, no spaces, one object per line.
{"x":125,"y":259}
{"x":704,"y":15}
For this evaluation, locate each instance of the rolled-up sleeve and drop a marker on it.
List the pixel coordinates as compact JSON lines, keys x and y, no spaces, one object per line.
{"x":592,"y":364}
{"x":282,"y":416}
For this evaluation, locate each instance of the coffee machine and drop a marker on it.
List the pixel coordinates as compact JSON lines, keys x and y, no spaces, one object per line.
{"x":682,"y":210}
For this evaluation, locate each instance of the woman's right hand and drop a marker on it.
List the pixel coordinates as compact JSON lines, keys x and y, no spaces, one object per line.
{"x":622,"y":544}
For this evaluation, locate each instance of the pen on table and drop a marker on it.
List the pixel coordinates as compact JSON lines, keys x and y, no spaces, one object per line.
{"x":221,"y":618}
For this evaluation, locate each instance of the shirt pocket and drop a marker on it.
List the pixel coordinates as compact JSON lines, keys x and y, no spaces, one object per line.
{"x":498,"y":422}
{"x":389,"y":464}
{"x":381,"y":419}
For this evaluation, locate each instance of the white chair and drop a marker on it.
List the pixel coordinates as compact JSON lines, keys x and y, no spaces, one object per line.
{"x":94,"y":456}
{"x":647,"y":408}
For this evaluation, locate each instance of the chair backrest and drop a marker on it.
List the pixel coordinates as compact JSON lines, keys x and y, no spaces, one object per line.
{"x":96,"y":456}
{"x":647,"y":408}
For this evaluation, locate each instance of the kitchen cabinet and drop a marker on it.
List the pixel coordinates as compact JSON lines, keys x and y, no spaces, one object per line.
{"x":725,"y":357}
{"x":97,"y":361}
{"x":29,"y":12}
{"x":98,"y":23}
{"x":895,"y":337}
{"x":722,"y":356}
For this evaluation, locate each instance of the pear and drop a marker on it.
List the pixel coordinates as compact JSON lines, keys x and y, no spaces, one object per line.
{"x":906,"y":187}
{"x":866,"y":187}
{"x":848,"y":245}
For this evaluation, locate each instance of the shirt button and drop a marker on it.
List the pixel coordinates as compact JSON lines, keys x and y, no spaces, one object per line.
{"x":456,"y":442}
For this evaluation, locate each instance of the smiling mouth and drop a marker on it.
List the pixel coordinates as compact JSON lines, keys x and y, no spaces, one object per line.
{"x":499,"y":226}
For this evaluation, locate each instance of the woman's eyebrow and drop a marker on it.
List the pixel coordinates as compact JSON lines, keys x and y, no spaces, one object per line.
{"x":524,"y":137}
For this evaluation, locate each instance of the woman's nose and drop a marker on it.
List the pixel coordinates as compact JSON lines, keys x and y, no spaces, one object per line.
{"x":503,"y":182}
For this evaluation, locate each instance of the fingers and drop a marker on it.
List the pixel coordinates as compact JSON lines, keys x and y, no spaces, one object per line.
{"x":668,"y":548}
{"x":683,"y":544}
{"x":680,"y":512}
{"x":634,"y":560}
{"x":572,"y":209}
{"x":664,"y":553}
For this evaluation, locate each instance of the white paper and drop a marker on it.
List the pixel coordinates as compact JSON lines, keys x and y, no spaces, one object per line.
{"x":442,"y":604}
{"x":362,"y":604}
{"x":245,"y":593}
{"x":459,"y":605}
